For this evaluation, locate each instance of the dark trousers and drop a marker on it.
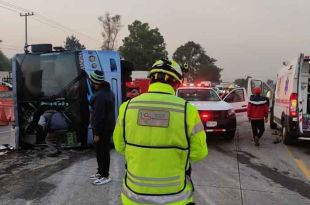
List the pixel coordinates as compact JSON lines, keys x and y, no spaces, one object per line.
{"x":258,"y":127}
{"x":82,"y":135}
{"x":53,"y":141}
{"x":103,"y":155}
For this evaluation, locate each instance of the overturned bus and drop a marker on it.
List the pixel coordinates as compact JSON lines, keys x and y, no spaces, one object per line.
{"x":48,"y":78}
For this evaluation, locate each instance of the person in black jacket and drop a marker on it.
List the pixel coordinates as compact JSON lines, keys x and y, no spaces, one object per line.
{"x":103,"y":122}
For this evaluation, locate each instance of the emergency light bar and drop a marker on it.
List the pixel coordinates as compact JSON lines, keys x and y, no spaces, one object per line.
{"x":307,"y":57}
{"x":201,"y":84}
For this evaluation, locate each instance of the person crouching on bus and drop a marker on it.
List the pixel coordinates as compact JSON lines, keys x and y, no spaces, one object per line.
{"x":55,"y":124}
{"x":258,"y":114}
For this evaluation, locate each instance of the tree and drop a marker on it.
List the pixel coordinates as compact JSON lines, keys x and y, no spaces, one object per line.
{"x":242,"y":82}
{"x":72,"y":43}
{"x":5,"y":64}
{"x":111,"y":26}
{"x":143,"y":46}
{"x":201,"y":66}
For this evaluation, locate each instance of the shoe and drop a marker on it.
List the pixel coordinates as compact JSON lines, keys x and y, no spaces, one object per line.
{"x":94,"y":176}
{"x":277,"y":140}
{"x":256,"y":141}
{"x":52,"y":154}
{"x":102,"y":180}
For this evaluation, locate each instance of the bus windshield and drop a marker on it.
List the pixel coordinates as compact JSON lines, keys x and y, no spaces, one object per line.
{"x":46,"y":74}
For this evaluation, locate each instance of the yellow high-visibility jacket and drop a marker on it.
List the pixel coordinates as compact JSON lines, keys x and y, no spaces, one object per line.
{"x":159,"y":134}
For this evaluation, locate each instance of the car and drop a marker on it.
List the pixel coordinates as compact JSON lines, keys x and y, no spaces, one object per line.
{"x":217,"y":116}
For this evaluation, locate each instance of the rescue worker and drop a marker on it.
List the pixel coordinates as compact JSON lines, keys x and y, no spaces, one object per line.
{"x":258,"y":114}
{"x":103,"y":122}
{"x":159,"y":134}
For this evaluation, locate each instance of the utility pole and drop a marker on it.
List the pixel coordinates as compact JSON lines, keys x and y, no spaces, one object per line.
{"x":26,"y":27}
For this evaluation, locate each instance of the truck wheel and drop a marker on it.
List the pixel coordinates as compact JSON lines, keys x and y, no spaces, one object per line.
{"x":287,"y":138}
{"x":230,"y":135}
{"x":272,"y":124}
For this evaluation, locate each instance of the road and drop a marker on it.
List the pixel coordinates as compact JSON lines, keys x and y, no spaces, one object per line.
{"x":234,"y":173}
{"x":5,"y":132}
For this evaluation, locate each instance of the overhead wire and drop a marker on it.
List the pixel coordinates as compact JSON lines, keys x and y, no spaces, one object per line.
{"x":12,"y":46}
{"x":13,"y":10}
{"x":9,"y":48}
{"x":43,"y":19}
{"x":65,"y":27}
{"x":4,"y":44}
{"x":14,"y":6}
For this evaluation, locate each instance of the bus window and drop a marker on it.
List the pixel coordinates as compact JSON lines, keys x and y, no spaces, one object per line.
{"x":113,"y":65}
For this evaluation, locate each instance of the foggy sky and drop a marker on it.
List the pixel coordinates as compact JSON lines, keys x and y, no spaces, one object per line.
{"x":247,"y":37}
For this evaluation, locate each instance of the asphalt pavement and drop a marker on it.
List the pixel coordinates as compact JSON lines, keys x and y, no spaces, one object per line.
{"x":234,"y":173}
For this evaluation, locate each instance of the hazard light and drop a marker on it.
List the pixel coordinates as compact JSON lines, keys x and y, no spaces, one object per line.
{"x":205,"y":116}
{"x":293,"y":105}
{"x":307,"y":59}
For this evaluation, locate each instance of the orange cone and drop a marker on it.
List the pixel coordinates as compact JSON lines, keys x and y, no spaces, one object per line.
{"x":3,"y":118}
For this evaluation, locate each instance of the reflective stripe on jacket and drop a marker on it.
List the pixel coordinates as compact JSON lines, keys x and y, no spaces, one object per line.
{"x":162,"y":133}
{"x":258,"y":107}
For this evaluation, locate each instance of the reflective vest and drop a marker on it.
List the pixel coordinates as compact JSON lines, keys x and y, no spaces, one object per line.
{"x":157,"y":145}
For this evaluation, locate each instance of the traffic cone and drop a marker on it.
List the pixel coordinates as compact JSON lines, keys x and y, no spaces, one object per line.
{"x":3,"y":118}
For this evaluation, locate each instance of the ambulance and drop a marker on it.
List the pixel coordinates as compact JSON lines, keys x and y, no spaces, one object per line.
{"x":291,"y":105}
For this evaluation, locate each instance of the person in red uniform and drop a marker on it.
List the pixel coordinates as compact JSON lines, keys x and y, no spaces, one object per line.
{"x":258,"y":114}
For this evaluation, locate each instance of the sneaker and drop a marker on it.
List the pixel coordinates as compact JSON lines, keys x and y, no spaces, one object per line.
{"x":277,"y":140}
{"x":256,"y":141}
{"x":102,"y":180}
{"x":53,"y":154}
{"x":94,"y":176}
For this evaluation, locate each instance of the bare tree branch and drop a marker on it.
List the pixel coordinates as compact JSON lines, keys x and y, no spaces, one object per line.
{"x":111,"y":26}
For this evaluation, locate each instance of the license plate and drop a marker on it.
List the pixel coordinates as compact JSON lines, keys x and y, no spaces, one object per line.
{"x":211,"y":124}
